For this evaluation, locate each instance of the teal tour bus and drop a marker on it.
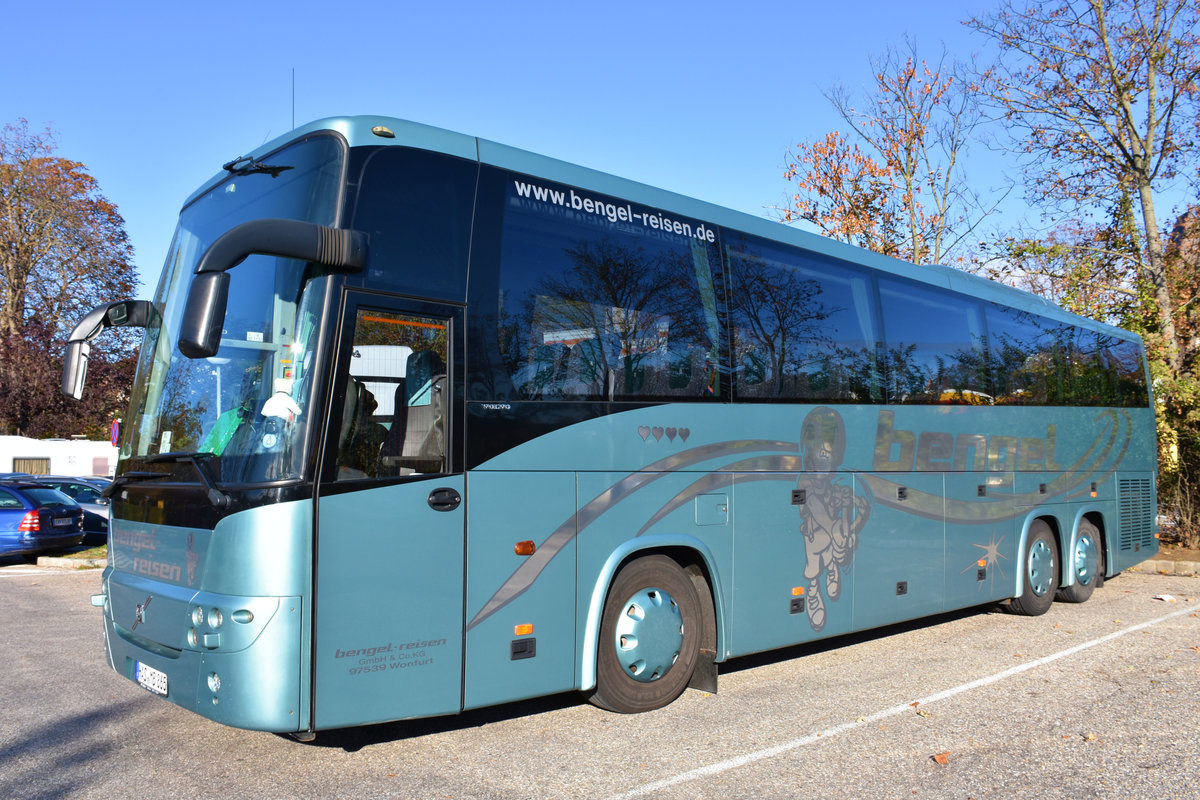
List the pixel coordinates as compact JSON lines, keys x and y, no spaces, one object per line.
{"x":423,"y":423}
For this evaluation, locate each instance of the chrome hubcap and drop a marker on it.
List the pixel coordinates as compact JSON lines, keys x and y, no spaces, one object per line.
{"x":1041,"y":567}
{"x":649,"y":635}
{"x":1086,"y":561}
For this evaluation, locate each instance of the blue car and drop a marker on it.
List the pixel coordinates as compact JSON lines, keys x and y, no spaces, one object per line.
{"x":85,"y":492}
{"x":35,"y":518}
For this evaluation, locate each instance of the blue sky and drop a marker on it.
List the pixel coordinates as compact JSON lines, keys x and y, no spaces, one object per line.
{"x":702,"y":98}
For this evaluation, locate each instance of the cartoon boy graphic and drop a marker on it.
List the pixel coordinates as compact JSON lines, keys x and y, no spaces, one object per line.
{"x":831,"y":516}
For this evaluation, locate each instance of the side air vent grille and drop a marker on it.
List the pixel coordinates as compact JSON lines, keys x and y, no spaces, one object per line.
{"x":1135,"y":501}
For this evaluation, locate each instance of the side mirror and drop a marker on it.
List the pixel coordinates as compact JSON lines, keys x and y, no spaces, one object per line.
{"x":204,"y":315}
{"x":204,"y":312}
{"x":136,"y":313}
{"x":75,"y":362}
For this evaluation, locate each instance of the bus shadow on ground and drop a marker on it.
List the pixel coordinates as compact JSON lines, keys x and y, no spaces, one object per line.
{"x":354,"y":739}
{"x":847,"y":639}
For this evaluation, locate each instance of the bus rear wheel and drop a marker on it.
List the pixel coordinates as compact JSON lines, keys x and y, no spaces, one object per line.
{"x":1086,"y":561}
{"x":649,"y":637}
{"x":1039,"y":566}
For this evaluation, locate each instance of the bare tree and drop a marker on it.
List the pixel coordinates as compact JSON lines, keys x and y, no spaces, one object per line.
{"x":896,"y":184}
{"x":1102,"y":95}
{"x":1089,"y":269}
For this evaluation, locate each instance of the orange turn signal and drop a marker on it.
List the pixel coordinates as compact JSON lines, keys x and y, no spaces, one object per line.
{"x":797,"y":591}
{"x":523,"y":630}
{"x":525,"y":548}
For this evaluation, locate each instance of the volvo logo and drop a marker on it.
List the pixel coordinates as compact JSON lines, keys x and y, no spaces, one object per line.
{"x":139,"y":616}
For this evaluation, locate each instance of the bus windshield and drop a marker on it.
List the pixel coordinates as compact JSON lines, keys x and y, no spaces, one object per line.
{"x":244,"y":408}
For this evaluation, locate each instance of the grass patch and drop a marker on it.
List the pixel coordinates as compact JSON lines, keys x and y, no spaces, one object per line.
{"x":100,"y":551}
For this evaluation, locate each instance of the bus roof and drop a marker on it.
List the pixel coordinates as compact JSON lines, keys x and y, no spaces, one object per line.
{"x":360,"y":131}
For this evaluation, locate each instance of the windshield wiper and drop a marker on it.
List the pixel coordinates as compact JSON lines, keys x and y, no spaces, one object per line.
{"x":130,"y":477}
{"x":245,"y":165}
{"x":217,"y":497}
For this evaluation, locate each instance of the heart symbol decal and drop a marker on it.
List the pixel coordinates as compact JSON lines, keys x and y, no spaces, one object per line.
{"x":644,"y":432}
{"x":671,"y":434}
{"x":658,"y":433}
{"x":684,"y":433}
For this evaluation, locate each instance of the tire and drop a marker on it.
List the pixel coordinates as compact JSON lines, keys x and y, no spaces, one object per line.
{"x":1086,"y":560}
{"x":649,"y":637}
{"x":1039,"y":564}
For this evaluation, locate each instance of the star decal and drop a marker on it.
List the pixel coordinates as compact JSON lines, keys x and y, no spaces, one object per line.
{"x":991,"y":558}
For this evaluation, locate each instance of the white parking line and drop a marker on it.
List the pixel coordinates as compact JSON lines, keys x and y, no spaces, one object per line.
{"x":12,"y":573}
{"x":771,"y":752}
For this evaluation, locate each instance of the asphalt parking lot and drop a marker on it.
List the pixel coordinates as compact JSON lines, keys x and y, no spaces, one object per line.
{"x":1095,"y":700}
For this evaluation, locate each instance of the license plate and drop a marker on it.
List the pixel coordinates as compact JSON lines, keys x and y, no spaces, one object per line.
{"x":150,"y":678}
{"x":60,"y":522}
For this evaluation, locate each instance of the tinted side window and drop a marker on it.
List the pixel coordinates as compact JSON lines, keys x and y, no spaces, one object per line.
{"x":1124,"y":361}
{"x":1099,"y":370}
{"x":1088,"y":377}
{"x":935,"y":346}
{"x":9,"y":500}
{"x":803,"y":328}
{"x":1024,"y":355}
{"x":602,"y":299}
{"x":416,"y":207}
{"x":1038,"y":361}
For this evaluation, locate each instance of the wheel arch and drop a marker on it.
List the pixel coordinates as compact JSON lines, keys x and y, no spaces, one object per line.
{"x":693,"y":557}
{"x":1047,"y":516}
{"x":1095,"y":516}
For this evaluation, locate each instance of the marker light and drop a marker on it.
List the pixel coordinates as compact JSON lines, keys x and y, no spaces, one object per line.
{"x":523,"y":630}
{"x":525,"y":548}
{"x":797,"y":591}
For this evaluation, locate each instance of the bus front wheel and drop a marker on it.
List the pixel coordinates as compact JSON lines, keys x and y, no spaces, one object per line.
{"x":1040,"y":572}
{"x":649,"y":637}
{"x":1087,"y":562}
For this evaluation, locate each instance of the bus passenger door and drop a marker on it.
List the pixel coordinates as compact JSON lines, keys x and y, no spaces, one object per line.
{"x":388,"y":568}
